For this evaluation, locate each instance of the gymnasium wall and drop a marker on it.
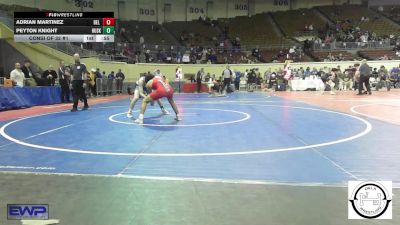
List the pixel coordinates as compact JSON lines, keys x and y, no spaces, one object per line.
{"x":175,"y":10}
{"x":383,"y":2}
{"x":132,"y":71}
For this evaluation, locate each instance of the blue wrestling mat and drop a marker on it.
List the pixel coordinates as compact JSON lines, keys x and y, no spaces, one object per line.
{"x":244,"y":136}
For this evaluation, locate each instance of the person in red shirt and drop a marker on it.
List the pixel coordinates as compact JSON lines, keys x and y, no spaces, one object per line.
{"x":161,"y":89}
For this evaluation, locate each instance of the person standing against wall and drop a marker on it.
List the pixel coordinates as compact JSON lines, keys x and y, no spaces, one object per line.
{"x":111,"y":78}
{"x":199,"y":78}
{"x":120,"y":77}
{"x":92,"y":82}
{"x":237,"y":80}
{"x":64,"y":80}
{"x":79,"y":78}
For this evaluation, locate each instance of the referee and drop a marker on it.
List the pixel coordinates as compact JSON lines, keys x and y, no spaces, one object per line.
{"x":79,"y":77}
{"x":364,"y":78}
{"x":227,"y":76}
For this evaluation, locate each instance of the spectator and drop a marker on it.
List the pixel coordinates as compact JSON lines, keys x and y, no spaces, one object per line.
{"x":141,"y":40}
{"x":120,"y":77}
{"x":26,"y":69}
{"x":237,"y":80}
{"x":64,"y":75}
{"x":346,"y":81}
{"x":307,"y":72}
{"x":259,"y":79}
{"x":98,"y":74}
{"x":251,"y":80}
{"x":17,"y":76}
{"x":374,"y":73}
{"x":92,"y":81}
{"x":49,"y":76}
{"x":199,"y":78}
{"x":110,"y":82}
{"x":31,"y":78}
{"x":383,"y":78}
{"x":104,"y":83}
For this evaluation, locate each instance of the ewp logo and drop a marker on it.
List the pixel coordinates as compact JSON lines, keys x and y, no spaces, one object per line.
{"x":30,"y":211}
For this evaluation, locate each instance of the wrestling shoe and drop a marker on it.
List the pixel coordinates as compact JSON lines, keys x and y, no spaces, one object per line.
{"x":178,"y":118}
{"x":164,"y":111}
{"x":139,"y":121}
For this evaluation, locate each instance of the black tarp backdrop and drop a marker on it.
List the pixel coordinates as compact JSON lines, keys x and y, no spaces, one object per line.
{"x":8,"y":57}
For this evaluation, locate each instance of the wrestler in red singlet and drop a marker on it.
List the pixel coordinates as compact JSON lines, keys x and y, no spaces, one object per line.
{"x":161,"y":89}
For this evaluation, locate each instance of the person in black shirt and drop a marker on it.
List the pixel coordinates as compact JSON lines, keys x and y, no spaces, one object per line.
{"x":251,"y":79}
{"x":119,"y":78}
{"x":364,"y":78}
{"x":29,"y":75}
{"x":98,"y":74}
{"x":64,"y":75}
{"x":272,"y":80}
{"x":49,"y":76}
{"x":79,"y":77}
{"x":199,"y":77}
{"x":26,"y":69}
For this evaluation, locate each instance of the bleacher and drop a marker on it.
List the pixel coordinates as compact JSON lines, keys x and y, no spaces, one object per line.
{"x":152,"y":33}
{"x":390,"y":11}
{"x":268,"y":56}
{"x":253,"y":31}
{"x":378,"y":54}
{"x":323,"y":55}
{"x":280,"y":55}
{"x":196,"y":33}
{"x":354,"y":13}
{"x":223,"y":58}
{"x":294,"y":21}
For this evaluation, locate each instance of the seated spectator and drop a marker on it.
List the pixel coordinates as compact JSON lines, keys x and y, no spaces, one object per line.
{"x":384,"y":57}
{"x":49,"y":76}
{"x":26,"y":69}
{"x":17,"y":76}
{"x":256,"y":52}
{"x":32,"y":78}
{"x":346,"y":81}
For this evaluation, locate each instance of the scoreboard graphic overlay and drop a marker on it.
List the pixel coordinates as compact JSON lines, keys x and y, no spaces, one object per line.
{"x":64,"y":26}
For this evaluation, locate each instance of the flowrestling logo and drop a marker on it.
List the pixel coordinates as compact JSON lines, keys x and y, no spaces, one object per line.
{"x":27,"y":212}
{"x":370,"y":200}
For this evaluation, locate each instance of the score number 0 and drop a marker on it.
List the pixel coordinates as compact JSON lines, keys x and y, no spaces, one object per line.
{"x":108,"y":22}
